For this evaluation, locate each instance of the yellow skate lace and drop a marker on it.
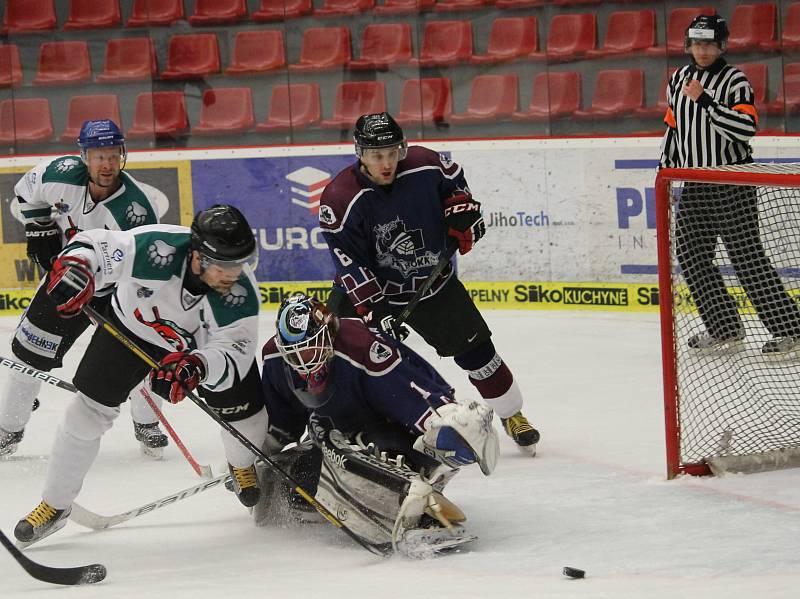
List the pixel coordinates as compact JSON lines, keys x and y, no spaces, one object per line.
{"x":245,"y":477}
{"x":517,"y":425}
{"x":41,"y":515}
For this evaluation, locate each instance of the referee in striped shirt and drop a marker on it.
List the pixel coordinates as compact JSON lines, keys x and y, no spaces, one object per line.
{"x":710,"y":119}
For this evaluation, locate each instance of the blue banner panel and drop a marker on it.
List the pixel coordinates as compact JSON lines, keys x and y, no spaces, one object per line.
{"x":280,"y":198}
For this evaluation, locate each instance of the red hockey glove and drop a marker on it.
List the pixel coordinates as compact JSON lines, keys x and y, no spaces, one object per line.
{"x":464,"y":221}
{"x":43,"y":242}
{"x":176,"y":374}
{"x":379,"y":317}
{"x":70,"y":285}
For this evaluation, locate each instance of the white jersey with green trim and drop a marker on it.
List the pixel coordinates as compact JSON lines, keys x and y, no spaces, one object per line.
{"x":147,"y":265}
{"x":58,"y":190}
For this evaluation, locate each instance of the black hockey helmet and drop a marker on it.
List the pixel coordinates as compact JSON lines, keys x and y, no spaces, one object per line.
{"x":305,"y":330}
{"x":223,"y":237}
{"x":378,"y":130}
{"x":707,"y":28}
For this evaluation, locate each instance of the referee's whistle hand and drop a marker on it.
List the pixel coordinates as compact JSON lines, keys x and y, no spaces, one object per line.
{"x":693,"y":89}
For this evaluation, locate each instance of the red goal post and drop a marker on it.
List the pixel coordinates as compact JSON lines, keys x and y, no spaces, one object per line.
{"x":729,"y":411}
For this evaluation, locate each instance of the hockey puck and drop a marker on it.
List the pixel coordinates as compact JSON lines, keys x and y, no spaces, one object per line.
{"x":573,"y":572}
{"x":35,"y":405}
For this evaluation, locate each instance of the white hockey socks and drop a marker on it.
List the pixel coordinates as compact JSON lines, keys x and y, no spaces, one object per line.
{"x":255,"y":429}
{"x":141,"y":411}
{"x":16,"y":402}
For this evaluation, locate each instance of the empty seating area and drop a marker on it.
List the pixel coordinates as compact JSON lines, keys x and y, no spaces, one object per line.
{"x":180,"y":71}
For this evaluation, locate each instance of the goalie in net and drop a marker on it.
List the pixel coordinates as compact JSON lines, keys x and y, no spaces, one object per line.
{"x":729,"y":321}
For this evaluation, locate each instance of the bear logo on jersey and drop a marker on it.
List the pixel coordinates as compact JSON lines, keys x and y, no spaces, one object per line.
{"x":136,"y":214}
{"x":236,"y":297}
{"x":67,"y":164}
{"x":161,"y":253}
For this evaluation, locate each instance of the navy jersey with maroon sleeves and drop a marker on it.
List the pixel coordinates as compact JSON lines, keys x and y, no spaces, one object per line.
{"x":385,"y":240}
{"x":373,"y":381}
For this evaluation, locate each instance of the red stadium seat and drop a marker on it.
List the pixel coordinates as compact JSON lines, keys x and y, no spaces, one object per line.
{"x":129,"y":59}
{"x":294,"y":106}
{"x":445,"y":43}
{"x":192,"y":56}
{"x":63,"y":63}
{"x":756,"y":73}
{"x":151,"y":13}
{"x":354,"y":98}
{"x":510,"y":38}
{"x":23,"y":16}
{"x":491,"y":98}
{"x":617,"y":92}
{"x":752,"y":28}
{"x":403,"y":7}
{"x":659,"y":109}
{"x":459,"y":5}
{"x":428,"y":100}
{"x":788,"y":100}
{"x":280,"y":10}
{"x":218,"y":12}
{"x":225,"y":110}
{"x":629,"y":31}
{"x":257,"y":51}
{"x":85,"y":108}
{"x":519,"y":3}
{"x":10,"y":66}
{"x":91,"y":14}
{"x":384,"y":45}
{"x":323,"y":48}
{"x":159,"y":114}
{"x":338,"y":8}
{"x":790,"y":36}
{"x":677,"y":23}
{"x":571,"y":36}
{"x":25,"y":120}
{"x":555,"y":94}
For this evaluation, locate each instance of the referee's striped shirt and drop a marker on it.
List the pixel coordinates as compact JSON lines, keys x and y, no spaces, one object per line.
{"x":716,"y":129}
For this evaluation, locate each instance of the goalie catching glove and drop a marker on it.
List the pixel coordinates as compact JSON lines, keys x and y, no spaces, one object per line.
{"x":70,"y":285}
{"x":43,"y":242}
{"x":462,"y":215}
{"x":176,"y":374}
{"x":460,"y":434}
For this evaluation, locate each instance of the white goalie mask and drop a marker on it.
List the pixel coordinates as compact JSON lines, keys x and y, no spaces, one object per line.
{"x":305,"y":334}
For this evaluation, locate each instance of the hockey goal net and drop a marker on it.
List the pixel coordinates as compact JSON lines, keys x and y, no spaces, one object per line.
{"x":729,"y":267}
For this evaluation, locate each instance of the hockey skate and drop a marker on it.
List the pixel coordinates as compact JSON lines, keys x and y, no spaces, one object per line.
{"x":245,"y":485}
{"x":431,"y":539}
{"x":40,"y":523}
{"x":520,"y":430}
{"x":705,"y":343}
{"x":152,"y":441}
{"x":779,"y":348}
{"x":9,"y":441}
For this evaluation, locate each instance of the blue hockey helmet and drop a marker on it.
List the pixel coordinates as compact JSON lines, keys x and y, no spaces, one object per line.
{"x":101,"y":133}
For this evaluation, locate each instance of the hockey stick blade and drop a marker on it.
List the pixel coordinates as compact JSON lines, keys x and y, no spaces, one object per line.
{"x":65,"y":576}
{"x":89,"y":519}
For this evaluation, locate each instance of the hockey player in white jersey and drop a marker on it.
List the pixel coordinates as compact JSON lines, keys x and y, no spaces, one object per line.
{"x":58,"y":199}
{"x":187,"y":297}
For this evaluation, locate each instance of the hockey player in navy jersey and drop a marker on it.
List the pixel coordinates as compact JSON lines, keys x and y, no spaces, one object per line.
{"x":57,"y":199}
{"x":388,"y":430}
{"x":387,"y":220}
{"x":188,"y":297}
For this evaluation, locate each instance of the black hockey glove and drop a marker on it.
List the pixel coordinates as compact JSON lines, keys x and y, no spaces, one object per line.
{"x":44,"y":242}
{"x":176,"y":374}
{"x":462,"y":215}
{"x":70,"y":285}
{"x":381,"y":319}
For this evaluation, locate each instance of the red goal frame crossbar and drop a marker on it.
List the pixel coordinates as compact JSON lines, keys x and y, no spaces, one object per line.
{"x":663,"y":207}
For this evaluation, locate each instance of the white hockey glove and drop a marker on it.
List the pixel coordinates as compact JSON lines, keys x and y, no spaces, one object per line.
{"x":461,"y":434}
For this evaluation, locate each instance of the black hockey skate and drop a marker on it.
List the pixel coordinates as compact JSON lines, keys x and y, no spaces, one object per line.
{"x":9,"y":441}
{"x":525,"y":436}
{"x":152,"y":440}
{"x":40,"y":523}
{"x":245,"y":485}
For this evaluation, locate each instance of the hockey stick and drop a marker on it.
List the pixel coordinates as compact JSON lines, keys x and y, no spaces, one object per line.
{"x":202,"y":470}
{"x":450,"y":250}
{"x":66,"y":576}
{"x":101,"y":321}
{"x":80,"y":515}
